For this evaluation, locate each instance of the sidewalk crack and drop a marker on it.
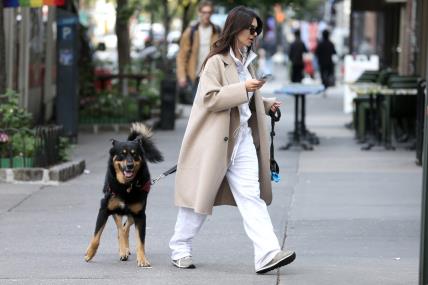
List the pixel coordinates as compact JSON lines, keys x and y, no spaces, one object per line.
{"x":23,"y":200}
{"x":297,"y":173}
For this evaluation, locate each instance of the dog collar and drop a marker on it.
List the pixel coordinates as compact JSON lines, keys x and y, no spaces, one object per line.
{"x":145,"y":187}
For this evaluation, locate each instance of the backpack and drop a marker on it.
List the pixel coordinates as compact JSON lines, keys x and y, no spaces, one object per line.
{"x":194,"y":28}
{"x":186,"y":95}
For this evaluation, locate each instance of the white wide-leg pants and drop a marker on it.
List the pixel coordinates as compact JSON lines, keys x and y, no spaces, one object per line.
{"x":242,"y":176}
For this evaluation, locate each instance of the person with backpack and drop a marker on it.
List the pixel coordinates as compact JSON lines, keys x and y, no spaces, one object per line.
{"x":195,"y":45}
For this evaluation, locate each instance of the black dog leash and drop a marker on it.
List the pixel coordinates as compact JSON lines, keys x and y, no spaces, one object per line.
{"x":166,"y":173}
{"x":274,"y":168}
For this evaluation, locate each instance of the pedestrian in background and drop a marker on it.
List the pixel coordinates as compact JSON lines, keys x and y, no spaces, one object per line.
{"x":218,"y":162}
{"x":195,"y":45}
{"x":295,"y":54}
{"x":366,"y":47}
{"x":269,"y":44}
{"x":324,"y":53}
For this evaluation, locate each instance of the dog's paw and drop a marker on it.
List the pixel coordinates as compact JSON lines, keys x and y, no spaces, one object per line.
{"x":88,"y":257}
{"x":90,"y":253}
{"x":144,"y":263}
{"x":124,"y":255}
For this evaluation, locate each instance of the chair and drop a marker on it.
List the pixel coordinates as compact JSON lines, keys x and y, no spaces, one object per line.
{"x":402,"y":108}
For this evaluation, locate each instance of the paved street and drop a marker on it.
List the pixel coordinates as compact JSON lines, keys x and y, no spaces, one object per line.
{"x":352,"y":216}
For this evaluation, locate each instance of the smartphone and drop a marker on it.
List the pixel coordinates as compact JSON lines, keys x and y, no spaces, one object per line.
{"x":266,"y":77}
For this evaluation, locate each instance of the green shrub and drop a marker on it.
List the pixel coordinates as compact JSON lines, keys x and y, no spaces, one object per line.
{"x":11,"y":114}
{"x":23,"y":144}
{"x":64,"y":149}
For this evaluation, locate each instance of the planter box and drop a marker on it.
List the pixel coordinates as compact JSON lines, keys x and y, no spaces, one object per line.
{"x":103,"y":121}
{"x":17,"y":162}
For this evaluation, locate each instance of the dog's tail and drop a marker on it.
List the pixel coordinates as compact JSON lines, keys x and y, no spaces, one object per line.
{"x":139,"y":130}
{"x":142,"y":133}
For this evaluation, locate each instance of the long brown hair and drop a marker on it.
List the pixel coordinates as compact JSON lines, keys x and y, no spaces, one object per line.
{"x":238,"y":19}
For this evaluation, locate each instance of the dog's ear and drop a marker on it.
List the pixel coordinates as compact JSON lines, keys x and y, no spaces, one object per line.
{"x":151,"y":153}
{"x":113,"y":142}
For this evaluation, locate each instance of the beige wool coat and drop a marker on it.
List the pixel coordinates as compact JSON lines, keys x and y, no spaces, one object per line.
{"x":209,"y":139}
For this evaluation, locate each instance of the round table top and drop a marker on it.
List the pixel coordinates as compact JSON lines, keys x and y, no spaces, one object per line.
{"x":300,"y":89}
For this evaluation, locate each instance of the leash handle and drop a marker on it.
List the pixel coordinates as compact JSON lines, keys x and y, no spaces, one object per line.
{"x":274,"y":168}
{"x":276,"y":116}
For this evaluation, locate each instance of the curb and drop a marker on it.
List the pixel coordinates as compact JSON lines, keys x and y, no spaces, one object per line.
{"x":58,"y":173}
{"x":116,"y":127}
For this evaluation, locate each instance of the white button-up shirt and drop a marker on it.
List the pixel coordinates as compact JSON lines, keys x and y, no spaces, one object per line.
{"x":244,"y":109}
{"x":244,"y":74}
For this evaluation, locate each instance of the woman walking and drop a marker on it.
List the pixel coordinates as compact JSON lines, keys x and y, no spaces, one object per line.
{"x":224,"y":157}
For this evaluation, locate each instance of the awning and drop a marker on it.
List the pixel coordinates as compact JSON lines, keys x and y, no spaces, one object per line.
{"x":31,"y":3}
{"x":373,"y":5}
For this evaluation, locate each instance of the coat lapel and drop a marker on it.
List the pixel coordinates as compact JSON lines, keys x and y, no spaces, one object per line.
{"x":231,"y":73}
{"x":252,"y":70}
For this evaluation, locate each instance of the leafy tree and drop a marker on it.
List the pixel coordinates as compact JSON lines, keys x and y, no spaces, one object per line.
{"x":305,"y":9}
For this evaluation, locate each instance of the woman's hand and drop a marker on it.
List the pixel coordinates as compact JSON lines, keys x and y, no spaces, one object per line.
{"x":275,"y":106}
{"x":253,"y":84}
{"x":182,"y":82}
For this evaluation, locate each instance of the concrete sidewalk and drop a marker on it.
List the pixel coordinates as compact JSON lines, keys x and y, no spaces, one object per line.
{"x":352,"y":217}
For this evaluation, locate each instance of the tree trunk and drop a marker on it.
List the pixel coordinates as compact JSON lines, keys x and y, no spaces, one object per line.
{"x":185,"y":19}
{"x":152,"y":21}
{"x":2,"y":53}
{"x":166,"y":23}
{"x":123,"y":41}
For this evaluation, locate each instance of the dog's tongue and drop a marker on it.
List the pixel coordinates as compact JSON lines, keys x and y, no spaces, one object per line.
{"x":127,"y":174}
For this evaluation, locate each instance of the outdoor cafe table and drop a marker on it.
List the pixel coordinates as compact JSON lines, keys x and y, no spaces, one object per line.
{"x":301,"y":136}
{"x":373,"y":90}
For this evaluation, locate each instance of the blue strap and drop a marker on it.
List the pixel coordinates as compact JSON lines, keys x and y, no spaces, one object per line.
{"x":275,"y":177}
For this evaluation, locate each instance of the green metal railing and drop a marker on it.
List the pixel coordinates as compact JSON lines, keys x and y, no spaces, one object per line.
{"x":23,"y":147}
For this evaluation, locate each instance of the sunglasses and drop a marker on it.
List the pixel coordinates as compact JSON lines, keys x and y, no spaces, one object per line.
{"x":253,"y":30}
{"x":206,"y":12}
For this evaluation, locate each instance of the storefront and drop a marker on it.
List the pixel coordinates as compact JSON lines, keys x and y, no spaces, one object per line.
{"x":30,"y":53}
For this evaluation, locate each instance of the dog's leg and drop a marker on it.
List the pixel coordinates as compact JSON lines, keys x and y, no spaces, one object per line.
{"x":123,"y":252}
{"x":95,"y":242}
{"x":126,"y":229}
{"x":140,"y":229}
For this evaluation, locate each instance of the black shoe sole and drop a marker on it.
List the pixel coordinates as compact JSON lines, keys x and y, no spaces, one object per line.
{"x":281,"y":263}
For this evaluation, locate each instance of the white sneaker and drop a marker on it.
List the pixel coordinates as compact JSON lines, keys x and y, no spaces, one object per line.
{"x":184,"y":262}
{"x":281,"y":258}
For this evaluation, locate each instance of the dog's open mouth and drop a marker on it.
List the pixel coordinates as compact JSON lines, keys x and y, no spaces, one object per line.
{"x":128,"y":173}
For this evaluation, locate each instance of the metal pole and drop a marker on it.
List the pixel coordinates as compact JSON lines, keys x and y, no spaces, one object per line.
{"x":424,"y":219}
{"x":423,"y":268}
{"x":351,"y":29}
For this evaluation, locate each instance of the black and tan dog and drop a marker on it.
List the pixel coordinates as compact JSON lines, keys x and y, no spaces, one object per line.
{"x":126,"y":187}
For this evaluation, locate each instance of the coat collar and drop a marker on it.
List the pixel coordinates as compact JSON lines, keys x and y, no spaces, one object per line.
{"x":251,"y":56}
{"x":227,"y":59}
{"x":231,"y":72}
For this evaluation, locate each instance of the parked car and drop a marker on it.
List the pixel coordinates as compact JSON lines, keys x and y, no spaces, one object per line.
{"x":140,"y":34}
